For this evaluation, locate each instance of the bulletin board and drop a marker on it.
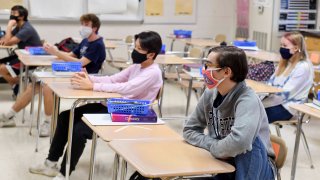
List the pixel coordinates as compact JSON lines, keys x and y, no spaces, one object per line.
{"x":170,"y":11}
{"x":71,"y":10}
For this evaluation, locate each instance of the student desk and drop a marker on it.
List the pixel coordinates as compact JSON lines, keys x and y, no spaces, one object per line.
{"x":65,"y":91}
{"x":258,"y":87}
{"x":110,"y":133}
{"x":43,"y":78}
{"x":168,"y":158}
{"x":204,"y":44}
{"x":168,"y":60}
{"x":110,"y":45}
{"x":302,"y":109}
{"x":28,"y":60}
{"x":8,"y":48}
{"x":263,"y":56}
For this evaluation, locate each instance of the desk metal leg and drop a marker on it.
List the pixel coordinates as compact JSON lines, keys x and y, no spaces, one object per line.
{"x":115,"y":167}
{"x":189,"y":96}
{"x":38,"y":118}
{"x":21,"y":79}
{"x":123,"y":169}
{"x":93,"y":155}
{"x":172,"y":42}
{"x":186,"y":49}
{"x":70,"y":133}
{"x":296,"y":146}
{"x":23,"y":87}
{"x":32,"y":105}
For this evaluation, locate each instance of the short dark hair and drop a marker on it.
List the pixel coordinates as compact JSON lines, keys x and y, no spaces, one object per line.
{"x":150,"y":41}
{"x":22,"y":11}
{"x":93,"y":18}
{"x":234,"y":58}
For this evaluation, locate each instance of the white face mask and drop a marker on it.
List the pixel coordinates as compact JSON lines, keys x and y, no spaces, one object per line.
{"x":85,"y":31}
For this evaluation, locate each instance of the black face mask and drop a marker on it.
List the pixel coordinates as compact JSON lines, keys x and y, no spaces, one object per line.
{"x":12,"y":17}
{"x":285,"y":53}
{"x":138,"y":58}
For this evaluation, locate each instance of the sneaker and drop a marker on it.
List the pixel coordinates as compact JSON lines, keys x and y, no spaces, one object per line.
{"x":45,"y":129}
{"x":59,"y":177}
{"x":48,"y":168}
{"x":7,"y":121}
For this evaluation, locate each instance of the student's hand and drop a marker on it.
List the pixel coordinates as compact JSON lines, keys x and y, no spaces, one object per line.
{"x":12,"y":23}
{"x":53,"y":50}
{"x":81,"y":81}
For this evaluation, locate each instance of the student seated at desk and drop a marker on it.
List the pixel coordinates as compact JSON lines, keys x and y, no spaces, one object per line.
{"x":237,"y":123}
{"x":142,"y":80}
{"x":294,"y":75}
{"x":19,"y":32}
{"x":91,"y":53}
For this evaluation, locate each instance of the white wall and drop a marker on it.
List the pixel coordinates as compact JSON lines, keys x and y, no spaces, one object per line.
{"x":213,"y":17}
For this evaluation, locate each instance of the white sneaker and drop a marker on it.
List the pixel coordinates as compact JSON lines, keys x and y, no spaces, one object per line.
{"x":59,"y":177}
{"x":48,"y":168}
{"x":45,"y":129}
{"x":7,"y":121}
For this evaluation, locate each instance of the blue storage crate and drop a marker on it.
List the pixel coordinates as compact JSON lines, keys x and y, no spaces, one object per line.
{"x":128,"y":106}
{"x":36,"y":51}
{"x":245,"y":43}
{"x":66,"y":66}
{"x":182,"y":33}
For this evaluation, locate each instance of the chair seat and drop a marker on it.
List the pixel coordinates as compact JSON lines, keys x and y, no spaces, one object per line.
{"x":174,"y":75}
{"x":195,"y":84}
{"x":286,"y":122}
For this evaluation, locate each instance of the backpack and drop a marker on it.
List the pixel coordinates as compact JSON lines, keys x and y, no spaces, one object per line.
{"x":67,"y":45}
{"x":261,"y":71}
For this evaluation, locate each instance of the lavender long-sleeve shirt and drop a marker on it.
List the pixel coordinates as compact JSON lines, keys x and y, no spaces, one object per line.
{"x":133,"y":82}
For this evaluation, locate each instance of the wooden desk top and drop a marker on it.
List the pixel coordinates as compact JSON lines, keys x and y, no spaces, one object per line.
{"x":109,"y":44}
{"x":55,"y":80}
{"x":260,"y":87}
{"x":152,"y":131}
{"x":30,"y":60}
{"x":6,"y":47}
{"x":169,"y":59}
{"x":263,"y":55}
{"x":306,"y":109}
{"x":65,"y":90}
{"x":201,"y":42}
{"x":168,"y":158}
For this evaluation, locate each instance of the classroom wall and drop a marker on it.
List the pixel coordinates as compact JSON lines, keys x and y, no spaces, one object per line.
{"x":213,"y":17}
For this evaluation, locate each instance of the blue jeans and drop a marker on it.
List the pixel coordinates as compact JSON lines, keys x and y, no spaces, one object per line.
{"x":276,"y":113}
{"x":252,"y":165}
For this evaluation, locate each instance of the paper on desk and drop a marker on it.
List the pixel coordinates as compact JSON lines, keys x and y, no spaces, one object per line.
{"x":105,"y":120}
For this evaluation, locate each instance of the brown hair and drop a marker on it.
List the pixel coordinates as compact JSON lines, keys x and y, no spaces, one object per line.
{"x":93,"y":18}
{"x":297,"y":40}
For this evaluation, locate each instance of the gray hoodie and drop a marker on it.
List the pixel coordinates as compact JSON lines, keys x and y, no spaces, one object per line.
{"x":232,"y":126}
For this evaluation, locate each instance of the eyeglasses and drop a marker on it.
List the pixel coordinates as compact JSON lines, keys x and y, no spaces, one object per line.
{"x":208,"y":65}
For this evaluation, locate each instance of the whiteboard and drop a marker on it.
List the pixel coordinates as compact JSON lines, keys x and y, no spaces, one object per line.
{"x":71,"y":10}
{"x":169,"y":16}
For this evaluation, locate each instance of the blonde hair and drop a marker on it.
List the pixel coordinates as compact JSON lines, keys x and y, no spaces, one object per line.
{"x":297,"y":40}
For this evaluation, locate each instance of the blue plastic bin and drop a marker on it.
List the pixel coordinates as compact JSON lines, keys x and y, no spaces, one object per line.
{"x":66,"y":66}
{"x":128,"y":106}
{"x":36,"y":51}
{"x":182,"y":33}
{"x":245,"y":43}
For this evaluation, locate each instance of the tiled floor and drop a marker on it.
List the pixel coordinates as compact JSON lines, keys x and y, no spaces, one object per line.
{"x":17,"y":146}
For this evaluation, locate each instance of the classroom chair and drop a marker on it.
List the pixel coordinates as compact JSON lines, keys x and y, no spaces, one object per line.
{"x":194,"y":54}
{"x":220,"y":38}
{"x":121,"y":63}
{"x":293,"y":122}
{"x":280,"y":150}
{"x":158,"y":100}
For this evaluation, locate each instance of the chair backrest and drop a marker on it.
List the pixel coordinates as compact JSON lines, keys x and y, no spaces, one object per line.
{"x":220,"y":38}
{"x":159,"y":95}
{"x":280,"y":150}
{"x":195,"y":52}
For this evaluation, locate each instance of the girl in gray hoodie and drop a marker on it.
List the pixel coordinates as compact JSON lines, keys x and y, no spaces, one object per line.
{"x":234,"y":116}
